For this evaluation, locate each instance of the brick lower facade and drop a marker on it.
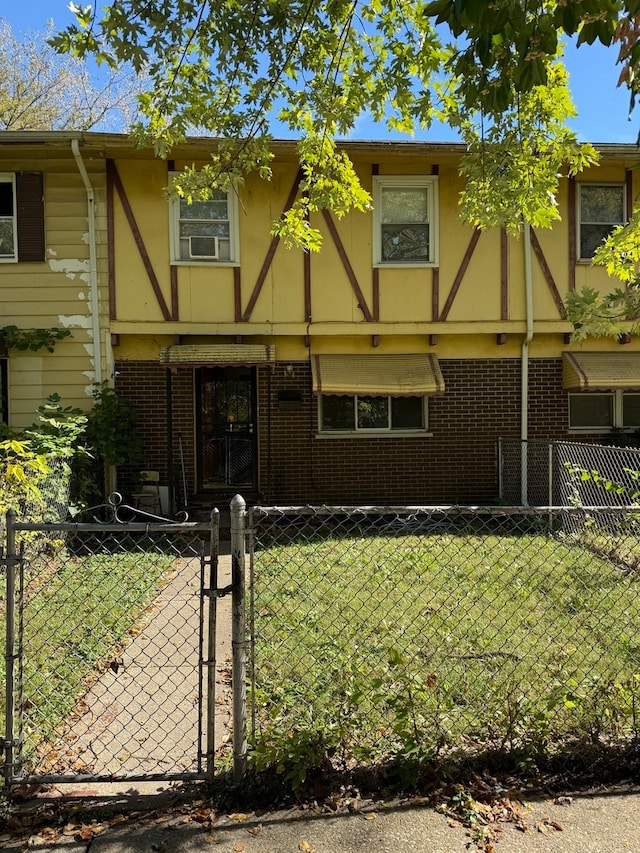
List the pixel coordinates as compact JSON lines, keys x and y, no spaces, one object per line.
{"x":456,"y":463}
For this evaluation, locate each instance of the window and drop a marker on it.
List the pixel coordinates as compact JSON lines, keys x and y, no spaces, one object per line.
{"x":205,"y":231}
{"x":21,"y":217}
{"x":601,"y":208}
{"x":405,"y":220}
{"x":8,"y":229}
{"x":601,"y":412}
{"x":368,"y":414}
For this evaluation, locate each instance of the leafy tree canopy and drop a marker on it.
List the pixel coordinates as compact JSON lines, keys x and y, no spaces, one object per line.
{"x":492,"y":69}
{"x":41,"y":90}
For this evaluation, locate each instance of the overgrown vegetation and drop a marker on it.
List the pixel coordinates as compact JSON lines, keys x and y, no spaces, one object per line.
{"x":416,"y":649}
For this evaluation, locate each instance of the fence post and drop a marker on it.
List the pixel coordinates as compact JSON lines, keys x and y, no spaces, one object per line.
{"x":10,"y":641}
{"x":211,"y":642}
{"x":238,"y":635}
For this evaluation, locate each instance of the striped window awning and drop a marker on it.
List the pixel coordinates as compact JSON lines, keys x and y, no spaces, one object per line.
{"x":412,"y":375}
{"x":601,"y":371}
{"x":217,"y":355}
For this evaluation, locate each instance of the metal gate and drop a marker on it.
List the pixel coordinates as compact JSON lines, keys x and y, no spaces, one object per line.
{"x":111,"y":660}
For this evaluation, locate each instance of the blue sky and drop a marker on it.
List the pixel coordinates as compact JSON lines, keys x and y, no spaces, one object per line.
{"x":602,"y":108}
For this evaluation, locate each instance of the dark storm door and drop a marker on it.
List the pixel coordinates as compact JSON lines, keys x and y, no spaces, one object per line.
{"x":226,"y":427}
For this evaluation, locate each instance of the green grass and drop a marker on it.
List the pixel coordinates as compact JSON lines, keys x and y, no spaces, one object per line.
{"x":373,"y":647}
{"x":76,"y":612}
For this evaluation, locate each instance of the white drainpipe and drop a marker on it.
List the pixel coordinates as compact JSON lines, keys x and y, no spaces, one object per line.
{"x":93,"y":263}
{"x":524,"y":376}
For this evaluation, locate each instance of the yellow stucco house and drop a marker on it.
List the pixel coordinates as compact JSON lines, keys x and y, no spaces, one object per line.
{"x":381,"y":370}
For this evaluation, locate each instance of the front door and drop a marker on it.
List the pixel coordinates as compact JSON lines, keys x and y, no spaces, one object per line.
{"x":226,"y":427}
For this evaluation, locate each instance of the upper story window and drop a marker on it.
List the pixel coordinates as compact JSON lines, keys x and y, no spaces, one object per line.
{"x":205,"y":231}
{"x":405,"y":220}
{"x":8,"y":221}
{"x":21,"y":217}
{"x":600,"y":208}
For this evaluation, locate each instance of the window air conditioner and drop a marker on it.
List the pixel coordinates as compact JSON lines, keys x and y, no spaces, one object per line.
{"x":204,"y":248}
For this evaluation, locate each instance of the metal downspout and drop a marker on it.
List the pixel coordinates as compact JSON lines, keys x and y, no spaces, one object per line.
{"x":93,"y":264}
{"x":524,"y":374}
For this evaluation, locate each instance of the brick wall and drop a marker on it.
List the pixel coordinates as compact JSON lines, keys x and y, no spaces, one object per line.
{"x":455,"y":464}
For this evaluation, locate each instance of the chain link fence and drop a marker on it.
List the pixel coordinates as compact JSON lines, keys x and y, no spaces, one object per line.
{"x":566,"y":473}
{"x":414,"y":634}
{"x":107,"y":634}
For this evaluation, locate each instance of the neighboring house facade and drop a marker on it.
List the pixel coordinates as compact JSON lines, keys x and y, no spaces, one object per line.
{"x":381,"y":370}
{"x":53,"y":270}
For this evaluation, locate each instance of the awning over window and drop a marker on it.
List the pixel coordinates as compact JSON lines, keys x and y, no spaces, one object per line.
{"x":216,"y":355}
{"x":410,"y":375}
{"x":601,"y":371}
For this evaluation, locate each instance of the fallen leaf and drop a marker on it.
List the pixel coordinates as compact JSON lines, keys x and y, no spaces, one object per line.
{"x":305,"y":847}
{"x":202,"y":815}
{"x":212,"y":839}
{"x":85,"y":833}
{"x":238,"y":847}
{"x":256,"y":830}
{"x":370,"y":816}
{"x":238,"y":816}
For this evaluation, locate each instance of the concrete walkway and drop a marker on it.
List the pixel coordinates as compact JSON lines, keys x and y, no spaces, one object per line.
{"x":141,"y":716}
{"x":584,"y":823}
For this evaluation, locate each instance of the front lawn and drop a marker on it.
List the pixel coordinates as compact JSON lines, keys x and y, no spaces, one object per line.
{"x":376,"y":647}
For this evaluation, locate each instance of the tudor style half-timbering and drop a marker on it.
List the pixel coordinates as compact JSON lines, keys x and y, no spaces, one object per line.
{"x":382,"y":369}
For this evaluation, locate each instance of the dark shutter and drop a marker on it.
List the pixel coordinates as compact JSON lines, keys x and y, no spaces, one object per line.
{"x":30,"y":210}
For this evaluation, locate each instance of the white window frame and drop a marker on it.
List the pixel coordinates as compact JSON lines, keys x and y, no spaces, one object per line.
{"x":10,"y":178}
{"x":364,"y":432}
{"x":234,"y":236}
{"x":622,"y":189}
{"x":618,"y":410}
{"x":430,"y":184}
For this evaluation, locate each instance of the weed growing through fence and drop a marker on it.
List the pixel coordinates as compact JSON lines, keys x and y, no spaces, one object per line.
{"x":406,"y":648}
{"x":77,"y":610}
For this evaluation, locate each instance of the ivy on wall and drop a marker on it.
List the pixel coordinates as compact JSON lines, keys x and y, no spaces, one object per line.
{"x":32,"y":339}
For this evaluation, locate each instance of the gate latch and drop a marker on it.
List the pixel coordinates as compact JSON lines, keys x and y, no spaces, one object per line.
{"x":218,"y":592}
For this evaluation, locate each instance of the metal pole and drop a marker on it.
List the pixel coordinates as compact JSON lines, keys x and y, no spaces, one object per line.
{"x":238,"y":632}
{"x":211,"y":644}
{"x":10,"y":641}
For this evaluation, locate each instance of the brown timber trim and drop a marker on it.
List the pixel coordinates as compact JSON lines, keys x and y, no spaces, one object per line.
{"x":275,"y":242}
{"x":537,"y":248}
{"x":306,"y":272}
{"x":137,"y":236}
{"x":376,"y":294}
{"x":375,"y":282}
{"x":629,"y":189}
{"x":572,"y":234}
{"x":435,"y":294}
{"x":455,"y":287}
{"x":504,"y":275}
{"x":362,"y":302}
{"x":237,"y":295}
{"x":111,"y":253}
{"x":175,"y":308}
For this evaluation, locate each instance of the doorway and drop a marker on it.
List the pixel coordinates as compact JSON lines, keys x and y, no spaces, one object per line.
{"x":226,"y":434}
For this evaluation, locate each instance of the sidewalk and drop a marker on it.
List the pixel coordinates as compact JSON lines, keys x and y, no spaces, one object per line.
{"x":606,"y":822}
